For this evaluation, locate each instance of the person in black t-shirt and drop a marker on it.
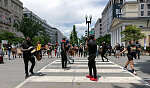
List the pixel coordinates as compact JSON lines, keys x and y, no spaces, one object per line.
{"x":63,"y":53}
{"x":92,"y":48}
{"x":138,"y":46}
{"x":104,"y":51}
{"x":131,"y":48}
{"x":28,"y":56}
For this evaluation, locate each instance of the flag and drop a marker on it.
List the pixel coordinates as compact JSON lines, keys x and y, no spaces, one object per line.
{"x":3,"y":16}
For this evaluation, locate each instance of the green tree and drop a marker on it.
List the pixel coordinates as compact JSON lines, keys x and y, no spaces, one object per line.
{"x":11,"y":37}
{"x":73,"y":36}
{"x":82,"y":40}
{"x":132,"y":33}
{"x":106,"y":38}
{"x":32,"y":29}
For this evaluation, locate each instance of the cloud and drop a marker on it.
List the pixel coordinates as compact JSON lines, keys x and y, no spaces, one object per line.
{"x":63,"y":14}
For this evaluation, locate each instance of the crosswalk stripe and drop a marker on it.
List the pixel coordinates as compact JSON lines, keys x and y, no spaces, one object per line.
{"x":85,"y":62}
{"x":81,"y":65}
{"x":85,"y":70}
{"x":83,"y":79}
{"x":80,"y":60}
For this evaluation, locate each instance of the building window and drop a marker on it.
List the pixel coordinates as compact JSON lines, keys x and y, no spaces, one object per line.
{"x":142,"y":6}
{"x":141,"y":26}
{"x":148,"y":6}
{"x":1,"y":13}
{"x":142,"y":13}
{"x":0,"y":3}
{"x":100,"y":32}
{"x":100,"y":28}
{"x":148,"y":13}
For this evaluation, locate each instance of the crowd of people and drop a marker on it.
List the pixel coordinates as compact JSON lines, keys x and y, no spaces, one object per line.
{"x":67,"y":52}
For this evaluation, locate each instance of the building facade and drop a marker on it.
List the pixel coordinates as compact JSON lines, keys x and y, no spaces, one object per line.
{"x":54,"y":33}
{"x":130,"y":16}
{"x":98,"y":28}
{"x":111,"y":11}
{"x":10,"y":12}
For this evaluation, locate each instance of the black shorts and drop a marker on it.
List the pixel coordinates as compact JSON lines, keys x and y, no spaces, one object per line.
{"x":13,"y":52}
{"x":131,"y":56}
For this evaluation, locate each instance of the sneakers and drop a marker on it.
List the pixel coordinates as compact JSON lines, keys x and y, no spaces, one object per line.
{"x":125,"y":68}
{"x":93,"y":79}
{"x":134,"y":73}
{"x":27,"y":76}
{"x":89,"y":76}
{"x":32,"y":73}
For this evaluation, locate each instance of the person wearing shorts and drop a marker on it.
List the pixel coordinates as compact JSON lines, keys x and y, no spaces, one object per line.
{"x":131,"y":48}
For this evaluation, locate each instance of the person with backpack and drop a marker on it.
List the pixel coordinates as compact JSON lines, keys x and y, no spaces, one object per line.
{"x":131,"y":48}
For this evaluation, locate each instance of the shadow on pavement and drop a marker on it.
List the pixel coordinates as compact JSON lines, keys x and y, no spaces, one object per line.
{"x":144,"y":67}
{"x":38,"y":74}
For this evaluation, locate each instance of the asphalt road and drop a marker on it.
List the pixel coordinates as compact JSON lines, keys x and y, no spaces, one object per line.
{"x":50,"y":75}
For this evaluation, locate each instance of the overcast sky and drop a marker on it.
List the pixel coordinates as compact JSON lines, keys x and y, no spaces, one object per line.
{"x":62,"y":14}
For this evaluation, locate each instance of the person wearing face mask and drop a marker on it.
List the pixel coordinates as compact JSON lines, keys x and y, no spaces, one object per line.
{"x":131,"y":48}
{"x":27,"y":47}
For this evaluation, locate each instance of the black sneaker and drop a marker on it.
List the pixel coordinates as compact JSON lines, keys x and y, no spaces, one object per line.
{"x":27,"y":76}
{"x":32,"y":73}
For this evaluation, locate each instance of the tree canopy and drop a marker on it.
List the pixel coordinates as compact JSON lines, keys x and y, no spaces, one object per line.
{"x":132,"y":33}
{"x":73,"y":36}
{"x":11,"y":37}
{"x":33,"y":30}
{"x":106,"y":38}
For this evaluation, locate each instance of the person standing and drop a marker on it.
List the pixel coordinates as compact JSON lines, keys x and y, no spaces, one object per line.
{"x":26,"y":48}
{"x":13,"y":50}
{"x":122,"y":48}
{"x":50,"y":51}
{"x":138,"y":46}
{"x":58,"y":51}
{"x":9,"y":50}
{"x":117,"y":48}
{"x":63,"y":53}
{"x":80,"y":51}
{"x":92,"y":48}
{"x":1,"y":54}
{"x":38,"y":48}
{"x":131,"y":48}
{"x":104,"y":51}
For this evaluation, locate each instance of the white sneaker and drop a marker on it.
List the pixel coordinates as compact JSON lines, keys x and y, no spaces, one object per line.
{"x":134,"y":73}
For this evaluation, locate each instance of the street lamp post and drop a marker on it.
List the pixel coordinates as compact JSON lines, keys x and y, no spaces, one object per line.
{"x":88,"y":22}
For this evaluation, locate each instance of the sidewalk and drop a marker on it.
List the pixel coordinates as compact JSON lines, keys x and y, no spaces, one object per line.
{"x":12,"y":71}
